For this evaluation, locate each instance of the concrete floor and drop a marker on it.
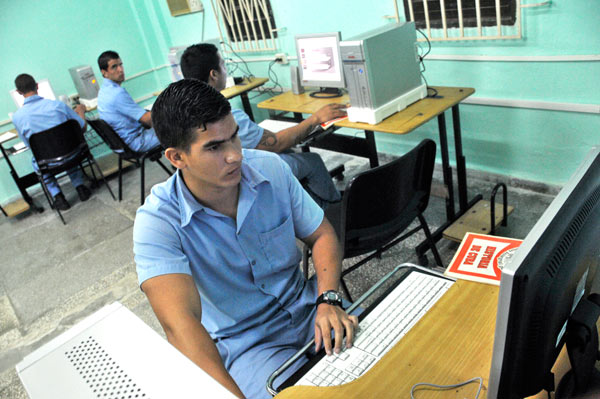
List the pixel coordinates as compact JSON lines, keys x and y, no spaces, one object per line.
{"x":53,"y":276}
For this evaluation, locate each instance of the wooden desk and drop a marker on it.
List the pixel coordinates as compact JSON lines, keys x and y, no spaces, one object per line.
{"x":240,"y":89}
{"x":402,"y":122}
{"x":452,"y":343}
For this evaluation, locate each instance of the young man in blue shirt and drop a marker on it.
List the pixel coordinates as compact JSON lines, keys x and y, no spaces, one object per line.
{"x":132,"y":122}
{"x":215,"y":249}
{"x":38,"y":114}
{"x":202,"y":61}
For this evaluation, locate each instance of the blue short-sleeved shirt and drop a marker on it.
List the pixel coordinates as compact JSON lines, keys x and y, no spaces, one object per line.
{"x":119,"y":110}
{"x":246,"y":270}
{"x":250,"y":133}
{"x":38,"y":114}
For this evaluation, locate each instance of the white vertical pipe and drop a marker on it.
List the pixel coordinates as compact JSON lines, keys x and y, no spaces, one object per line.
{"x":427,"y":24}
{"x":443,"y":14}
{"x":478,"y":12}
{"x":498,"y":18}
{"x":461,"y":26}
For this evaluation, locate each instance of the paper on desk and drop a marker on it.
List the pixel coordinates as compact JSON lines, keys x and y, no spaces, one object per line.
{"x":275,"y":126}
{"x":326,"y":125}
{"x":481,"y":258}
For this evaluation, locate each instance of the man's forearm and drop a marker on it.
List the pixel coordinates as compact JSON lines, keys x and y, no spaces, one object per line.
{"x":327,"y":258}
{"x":192,"y":339}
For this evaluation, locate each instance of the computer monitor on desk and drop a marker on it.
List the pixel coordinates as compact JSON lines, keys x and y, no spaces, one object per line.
{"x":543,"y":299}
{"x":320,"y":63}
{"x":44,"y":90}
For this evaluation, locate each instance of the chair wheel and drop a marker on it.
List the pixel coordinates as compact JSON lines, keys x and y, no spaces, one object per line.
{"x":339,"y":177}
{"x":423,"y":261}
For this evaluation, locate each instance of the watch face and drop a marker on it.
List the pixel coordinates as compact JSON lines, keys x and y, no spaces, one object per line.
{"x":332,"y":296}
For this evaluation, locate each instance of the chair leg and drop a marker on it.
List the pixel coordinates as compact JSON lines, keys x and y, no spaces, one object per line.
{"x":436,"y":254}
{"x":50,"y":199}
{"x":164,"y":167}
{"x":142,"y":178}
{"x":346,"y":290}
{"x":120,"y":178}
{"x":92,"y":160}
{"x":95,"y":181}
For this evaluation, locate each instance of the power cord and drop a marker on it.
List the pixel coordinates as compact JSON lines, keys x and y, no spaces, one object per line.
{"x":412,"y":390}
{"x":422,"y":62}
{"x":247,"y":68}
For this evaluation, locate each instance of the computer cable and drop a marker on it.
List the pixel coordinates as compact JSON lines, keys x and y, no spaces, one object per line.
{"x":422,"y":62}
{"x":247,"y":71}
{"x":442,"y":387}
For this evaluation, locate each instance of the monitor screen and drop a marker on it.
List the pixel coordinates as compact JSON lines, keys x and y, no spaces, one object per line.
{"x":544,"y":284}
{"x":44,"y":90}
{"x":319,"y":60}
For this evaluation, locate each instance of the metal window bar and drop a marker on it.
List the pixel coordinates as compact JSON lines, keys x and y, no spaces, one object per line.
{"x":463,"y":32}
{"x":241,"y":33}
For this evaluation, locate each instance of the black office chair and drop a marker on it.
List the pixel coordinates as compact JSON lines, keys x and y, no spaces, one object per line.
{"x":60,"y":143}
{"x":116,"y":143}
{"x":381,"y":203}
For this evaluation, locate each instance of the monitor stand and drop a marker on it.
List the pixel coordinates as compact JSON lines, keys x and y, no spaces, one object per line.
{"x":327,"y":92}
{"x":583,"y":380}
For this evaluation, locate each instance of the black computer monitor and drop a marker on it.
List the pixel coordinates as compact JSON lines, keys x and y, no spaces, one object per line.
{"x":320,"y":63}
{"x":544,"y":299}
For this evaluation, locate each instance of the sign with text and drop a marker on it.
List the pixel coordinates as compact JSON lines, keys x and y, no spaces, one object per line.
{"x":482,"y":257}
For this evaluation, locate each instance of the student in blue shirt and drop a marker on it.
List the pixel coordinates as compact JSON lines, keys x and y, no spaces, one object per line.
{"x":202,"y":61}
{"x":132,"y":122}
{"x":38,"y":114}
{"x":215,"y":249}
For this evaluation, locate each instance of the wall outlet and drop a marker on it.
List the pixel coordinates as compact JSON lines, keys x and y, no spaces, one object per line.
{"x":281,"y":58}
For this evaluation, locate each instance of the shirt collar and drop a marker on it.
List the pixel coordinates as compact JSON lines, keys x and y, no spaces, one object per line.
{"x":188,"y":205}
{"x":108,"y":82}
{"x":31,"y":99}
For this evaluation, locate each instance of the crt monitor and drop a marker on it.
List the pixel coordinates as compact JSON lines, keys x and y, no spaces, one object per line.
{"x":44,"y":90}
{"x":320,"y":63}
{"x":544,"y":298}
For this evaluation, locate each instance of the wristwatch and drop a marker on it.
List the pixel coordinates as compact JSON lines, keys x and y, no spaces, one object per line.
{"x":330,"y":297}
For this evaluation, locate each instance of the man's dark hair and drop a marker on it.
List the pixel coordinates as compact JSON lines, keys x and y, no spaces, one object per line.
{"x":105,"y":57}
{"x":198,"y":60}
{"x":182,"y":108}
{"x":25,"y":83}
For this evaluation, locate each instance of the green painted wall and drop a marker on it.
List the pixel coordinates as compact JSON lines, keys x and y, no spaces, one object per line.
{"x":544,"y":146}
{"x":46,"y":38}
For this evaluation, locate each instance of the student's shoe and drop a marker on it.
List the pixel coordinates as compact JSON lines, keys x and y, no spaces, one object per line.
{"x":83,"y":192}
{"x":60,"y":202}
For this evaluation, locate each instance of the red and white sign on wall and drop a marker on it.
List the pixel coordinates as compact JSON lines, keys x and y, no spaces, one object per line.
{"x":482,"y":257}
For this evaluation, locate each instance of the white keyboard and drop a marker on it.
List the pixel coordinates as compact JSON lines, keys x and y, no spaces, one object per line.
{"x":380,"y":330}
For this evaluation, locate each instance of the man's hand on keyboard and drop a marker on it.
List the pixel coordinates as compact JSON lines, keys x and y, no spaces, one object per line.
{"x":332,"y":317}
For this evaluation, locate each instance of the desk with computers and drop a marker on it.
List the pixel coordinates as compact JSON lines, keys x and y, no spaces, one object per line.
{"x":544,"y":301}
{"x":510,"y":337}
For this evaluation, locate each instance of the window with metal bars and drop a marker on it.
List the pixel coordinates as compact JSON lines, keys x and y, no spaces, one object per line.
{"x":248,"y":20}
{"x":487,"y":10}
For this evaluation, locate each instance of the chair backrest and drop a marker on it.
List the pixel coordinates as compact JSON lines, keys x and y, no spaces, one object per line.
{"x":382,"y":202}
{"x":110,"y":137}
{"x":57,"y":143}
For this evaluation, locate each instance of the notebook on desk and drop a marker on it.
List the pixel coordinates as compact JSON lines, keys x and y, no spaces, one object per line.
{"x":381,"y":326}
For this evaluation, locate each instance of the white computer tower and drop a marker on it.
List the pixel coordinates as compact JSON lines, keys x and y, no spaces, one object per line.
{"x":382,"y":72}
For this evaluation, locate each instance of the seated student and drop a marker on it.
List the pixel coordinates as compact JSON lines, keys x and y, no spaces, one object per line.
{"x":215,"y":248}
{"x":202,"y":61}
{"x":132,"y":122}
{"x":38,"y":114}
